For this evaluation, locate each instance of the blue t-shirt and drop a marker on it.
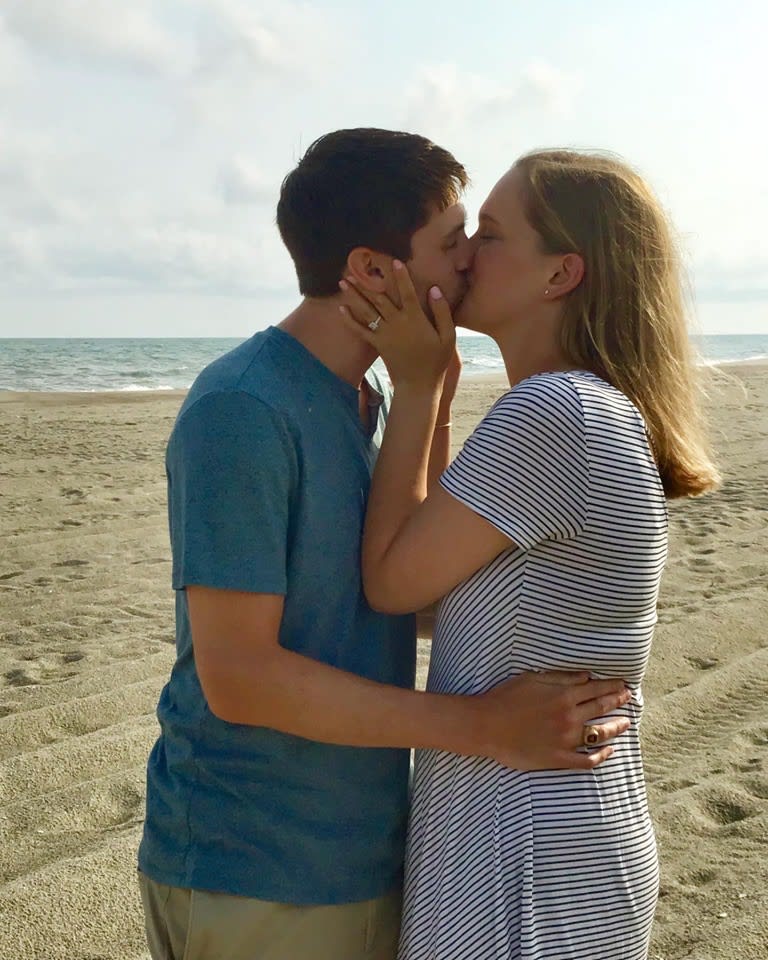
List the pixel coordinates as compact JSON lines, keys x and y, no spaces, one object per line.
{"x":269,"y":468}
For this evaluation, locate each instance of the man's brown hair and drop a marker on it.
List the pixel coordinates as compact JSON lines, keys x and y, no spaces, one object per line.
{"x":361,"y":188}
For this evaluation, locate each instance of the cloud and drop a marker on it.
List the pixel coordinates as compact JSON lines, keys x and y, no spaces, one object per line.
{"x":250,"y":55}
{"x":11,"y":58}
{"x":284,"y":37}
{"x":731,"y":280}
{"x":95,"y":31}
{"x":445,"y":96}
{"x":28,"y":192}
{"x":241,"y":181}
{"x":128,"y":251}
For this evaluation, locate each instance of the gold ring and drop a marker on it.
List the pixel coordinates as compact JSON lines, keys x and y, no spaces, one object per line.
{"x":591,"y":736}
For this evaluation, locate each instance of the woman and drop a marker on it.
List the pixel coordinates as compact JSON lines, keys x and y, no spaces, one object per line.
{"x":547,"y":536}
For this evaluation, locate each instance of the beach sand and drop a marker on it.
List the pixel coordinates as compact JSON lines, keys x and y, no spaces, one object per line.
{"x":86,"y":643}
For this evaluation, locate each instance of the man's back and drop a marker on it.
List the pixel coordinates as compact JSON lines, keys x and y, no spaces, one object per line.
{"x":268,"y":472}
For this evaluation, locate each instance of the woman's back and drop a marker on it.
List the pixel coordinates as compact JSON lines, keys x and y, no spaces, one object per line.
{"x":562,"y":466}
{"x":564,"y":456}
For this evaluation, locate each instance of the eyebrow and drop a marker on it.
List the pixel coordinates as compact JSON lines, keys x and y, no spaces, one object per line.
{"x":489,"y":218}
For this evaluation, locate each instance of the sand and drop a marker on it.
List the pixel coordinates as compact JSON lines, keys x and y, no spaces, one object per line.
{"x":86,"y":643}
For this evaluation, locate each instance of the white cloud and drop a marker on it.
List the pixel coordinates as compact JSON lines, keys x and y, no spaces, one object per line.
{"x":250,"y":55}
{"x":241,"y":181}
{"x":95,"y":31}
{"x":262,"y":36}
{"x":11,"y":59}
{"x":444,"y":96}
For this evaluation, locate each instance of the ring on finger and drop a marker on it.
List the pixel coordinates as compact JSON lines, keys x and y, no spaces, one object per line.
{"x":374,"y":324}
{"x":591,"y":736}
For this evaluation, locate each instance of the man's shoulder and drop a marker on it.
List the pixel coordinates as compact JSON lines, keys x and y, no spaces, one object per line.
{"x":240,"y":369}
{"x":247,"y":377}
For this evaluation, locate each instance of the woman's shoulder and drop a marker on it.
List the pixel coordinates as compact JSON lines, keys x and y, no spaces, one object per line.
{"x":542,"y":395}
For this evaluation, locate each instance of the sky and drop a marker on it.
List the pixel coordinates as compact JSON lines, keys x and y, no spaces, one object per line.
{"x":142,"y":144}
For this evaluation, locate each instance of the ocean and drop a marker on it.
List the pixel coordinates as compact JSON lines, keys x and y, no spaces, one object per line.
{"x":172,"y":364}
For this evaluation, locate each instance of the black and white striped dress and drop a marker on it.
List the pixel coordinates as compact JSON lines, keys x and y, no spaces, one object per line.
{"x":550,"y":865}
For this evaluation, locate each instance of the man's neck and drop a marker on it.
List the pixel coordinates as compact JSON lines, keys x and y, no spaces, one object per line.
{"x":318,"y":326}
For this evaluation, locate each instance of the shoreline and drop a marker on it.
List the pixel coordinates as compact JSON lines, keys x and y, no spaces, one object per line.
{"x":8,"y":396}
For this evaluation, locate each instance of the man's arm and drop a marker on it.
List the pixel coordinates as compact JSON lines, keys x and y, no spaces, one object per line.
{"x":534,"y":721}
{"x":440,"y":449}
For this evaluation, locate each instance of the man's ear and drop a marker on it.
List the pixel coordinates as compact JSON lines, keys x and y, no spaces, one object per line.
{"x":567,"y":276}
{"x":369,"y":269}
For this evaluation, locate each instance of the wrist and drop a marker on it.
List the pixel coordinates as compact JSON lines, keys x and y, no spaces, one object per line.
{"x":419,"y":392}
{"x":463,"y":727}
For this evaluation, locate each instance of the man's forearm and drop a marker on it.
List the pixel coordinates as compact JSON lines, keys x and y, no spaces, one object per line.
{"x":530,"y":722}
{"x":295,"y":694}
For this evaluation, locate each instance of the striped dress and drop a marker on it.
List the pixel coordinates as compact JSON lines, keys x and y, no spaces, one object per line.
{"x":549,"y":865}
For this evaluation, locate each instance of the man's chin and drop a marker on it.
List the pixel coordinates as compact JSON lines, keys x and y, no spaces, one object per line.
{"x":456,"y":302}
{"x":462,"y":312}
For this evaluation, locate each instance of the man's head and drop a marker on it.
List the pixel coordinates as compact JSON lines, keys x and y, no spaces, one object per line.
{"x":359,"y":198}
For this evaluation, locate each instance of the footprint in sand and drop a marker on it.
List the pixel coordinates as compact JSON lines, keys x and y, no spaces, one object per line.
{"x":749,"y":766}
{"x":702,"y":663}
{"x":19,"y":678}
{"x":699,"y":877}
{"x":724,"y":810}
{"x":74,"y":657}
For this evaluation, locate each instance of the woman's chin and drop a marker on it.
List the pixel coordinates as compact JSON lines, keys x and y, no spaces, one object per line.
{"x":465,"y":315}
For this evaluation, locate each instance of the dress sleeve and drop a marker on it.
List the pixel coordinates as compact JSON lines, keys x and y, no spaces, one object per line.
{"x":232,"y":474}
{"x":525,"y":467}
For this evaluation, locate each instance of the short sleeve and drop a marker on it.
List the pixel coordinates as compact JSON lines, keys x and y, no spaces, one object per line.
{"x":525,"y":467}
{"x":232,"y":473}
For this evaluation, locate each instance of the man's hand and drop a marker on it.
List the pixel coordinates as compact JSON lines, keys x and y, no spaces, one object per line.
{"x":536,"y":721}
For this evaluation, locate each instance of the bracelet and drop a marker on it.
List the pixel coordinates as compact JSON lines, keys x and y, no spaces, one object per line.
{"x":439,"y":426}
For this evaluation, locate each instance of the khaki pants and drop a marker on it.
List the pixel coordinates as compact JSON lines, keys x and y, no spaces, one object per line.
{"x":197,"y":925}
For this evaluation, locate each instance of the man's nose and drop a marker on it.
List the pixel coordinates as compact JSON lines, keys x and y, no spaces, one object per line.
{"x":466,"y":255}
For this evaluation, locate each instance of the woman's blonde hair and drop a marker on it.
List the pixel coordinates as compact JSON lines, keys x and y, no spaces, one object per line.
{"x":626,"y":321}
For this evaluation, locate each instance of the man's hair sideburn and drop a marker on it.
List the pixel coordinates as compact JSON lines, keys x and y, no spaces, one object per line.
{"x":361,"y":188}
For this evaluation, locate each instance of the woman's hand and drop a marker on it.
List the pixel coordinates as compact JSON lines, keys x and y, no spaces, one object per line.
{"x":415,"y":349}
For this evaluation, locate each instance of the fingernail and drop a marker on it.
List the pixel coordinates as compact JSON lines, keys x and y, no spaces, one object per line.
{"x":436,"y":293}
{"x":397,"y":264}
{"x":343,"y":284}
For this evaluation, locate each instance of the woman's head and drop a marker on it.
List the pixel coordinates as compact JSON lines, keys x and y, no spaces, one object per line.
{"x":591,"y":238}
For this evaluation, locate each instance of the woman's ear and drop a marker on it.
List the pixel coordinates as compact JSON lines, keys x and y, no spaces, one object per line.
{"x":567,"y":276}
{"x":368,"y":269}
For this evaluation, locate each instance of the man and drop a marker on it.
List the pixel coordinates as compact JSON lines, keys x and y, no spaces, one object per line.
{"x":277,"y":791}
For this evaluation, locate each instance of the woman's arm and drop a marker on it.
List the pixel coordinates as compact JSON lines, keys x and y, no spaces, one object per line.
{"x":413,"y":554}
{"x":418,"y":547}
